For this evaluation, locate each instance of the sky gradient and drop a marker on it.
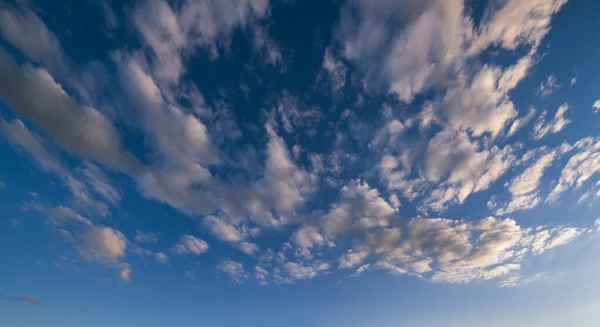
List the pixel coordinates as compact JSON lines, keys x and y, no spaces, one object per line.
{"x":299,"y":163}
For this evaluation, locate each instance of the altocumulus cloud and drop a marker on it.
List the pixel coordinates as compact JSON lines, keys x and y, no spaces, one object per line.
{"x":348,"y":187}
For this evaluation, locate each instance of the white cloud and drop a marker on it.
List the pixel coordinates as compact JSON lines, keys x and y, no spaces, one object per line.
{"x":59,"y":215}
{"x":482,"y":105}
{"x":521,"y":122}
{"x":223,"y":230}
{"x":264,"y":45}
{"x":161,"y":257}
{"x":307,"y":237}
{"x":173,"y":33}
{"x":294,"y":115}
{"x":516,"y":23}
{"x":353,"y":258}
{"x":524,"y":188}
{"x":405,"y":47}
{"x":562,"y":236}
{"x":462,"y":252}
{"x":455,"y":159}
{"x":433,"y":32}
{"x":300,"y":271}
{"x":548,"y":86}
{"x":24,"y":139}
{"x":188,"y":244}
{"x":142,"y":237}
{"x":260,"y":273}
{"x":205,"y":22}
{"x":90,"y":134}
{"x":395,"y":173}
{"x":547,"y":239}
{"x":100,"y":183}
{"x":581,"y":166}
{"x":436,"y":39}
{"x":26,"y":31}
{"x":360,"y":270}
{"x":235,"y":270}
{"x":359,"y":206}
{"x":285,"y":186}
{"x":543,"y":128}
{"x":21,"y":136}
{"x":103,"y":244}
{"x":227,"y":232}
{"x":596,"y":106}
{"x":125,"y":273}
{"x":335,"y":69}
{"x":157,"y":23}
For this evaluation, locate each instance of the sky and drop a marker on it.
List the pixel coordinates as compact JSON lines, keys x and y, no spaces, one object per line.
{"x":299,"y":163}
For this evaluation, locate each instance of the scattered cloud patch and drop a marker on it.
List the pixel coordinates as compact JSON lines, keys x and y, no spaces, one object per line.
{"x":189,"y":245}
{"x":548,"y":86}
{"x":25,"y":298}
{"x":596,"y":106}
{"x":543,"y":127}
{"x":234,"y":270}
{"x":142,"y":237}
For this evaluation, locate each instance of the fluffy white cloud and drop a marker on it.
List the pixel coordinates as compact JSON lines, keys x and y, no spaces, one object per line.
{"x":172,"y":33}
{"x":482,"y":105}
{"x":434,"y":32}
{"x":436,"y":39}
{"x":395,"y":173}
{"x":21,"y":136}
{"x":103,"y":244}
{"x":548,"y":86}
{"x":466,"y":169}
{"x":524,"y":188}
{"x":516,"y":23}
{"x":548,"y":239}
{"x":521,"y":122}
{"x":27,"y":32}
{"x":188,"y":244}
{"x":596,"y":106}
{"x":223,"y":230}
{"x":90,"y":134}
{"x":125,"y":274}
{"x":235,"y":270}
{"x":307,"y":237}
{"x":59,"y":215}
{"x":406,"y":48}
{"x":581,"y":166}
{"x":443,"y":250}
{"x":285,"y":186}
{"x":353,"y":258}
{"x":299,"y":271}
{"x":543,"y":127}
{"x":161,"y":257}
{"x":159,"y":26}
{"x":227,"y":232}
{"x":359,"y":206}
{"x":361,"y":270}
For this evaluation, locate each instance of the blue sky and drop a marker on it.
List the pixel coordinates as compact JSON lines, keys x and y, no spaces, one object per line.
{"x":268,"y":163}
